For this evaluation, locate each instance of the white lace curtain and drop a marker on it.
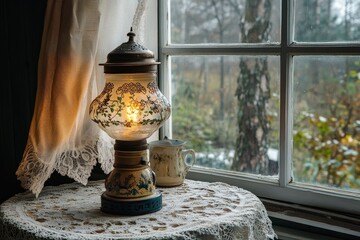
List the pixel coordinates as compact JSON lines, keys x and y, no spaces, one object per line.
{"x":77,"y":36}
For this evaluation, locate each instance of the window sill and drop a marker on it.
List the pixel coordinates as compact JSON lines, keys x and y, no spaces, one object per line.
{"x":292,"y":221}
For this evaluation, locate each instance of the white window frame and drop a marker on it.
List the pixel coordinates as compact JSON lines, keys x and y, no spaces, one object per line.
{"x":280,"y":188}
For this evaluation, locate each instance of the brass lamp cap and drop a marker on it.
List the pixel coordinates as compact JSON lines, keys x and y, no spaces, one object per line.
{"x":130,"y":57}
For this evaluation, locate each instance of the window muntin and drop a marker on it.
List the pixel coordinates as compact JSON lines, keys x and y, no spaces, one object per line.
{"x":288,"y":188}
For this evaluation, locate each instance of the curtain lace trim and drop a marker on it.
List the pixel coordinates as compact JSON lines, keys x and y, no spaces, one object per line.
{"x":74,"y":163}
{"x":33,"y":172}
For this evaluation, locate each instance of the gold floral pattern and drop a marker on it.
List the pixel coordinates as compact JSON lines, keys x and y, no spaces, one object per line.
{"x":131,"y":88}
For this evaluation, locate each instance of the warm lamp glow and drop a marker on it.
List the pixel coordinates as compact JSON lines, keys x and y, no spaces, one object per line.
{"x":132,"y":114}
{"x":131,"y":107}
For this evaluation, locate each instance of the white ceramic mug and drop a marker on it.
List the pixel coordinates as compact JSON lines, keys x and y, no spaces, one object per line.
{"x":168,"y":161}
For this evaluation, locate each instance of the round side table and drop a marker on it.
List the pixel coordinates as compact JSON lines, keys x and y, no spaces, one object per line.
{"x":194,"y":210}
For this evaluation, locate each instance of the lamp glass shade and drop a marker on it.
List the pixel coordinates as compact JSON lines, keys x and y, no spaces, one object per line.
{"x":130,"y":107}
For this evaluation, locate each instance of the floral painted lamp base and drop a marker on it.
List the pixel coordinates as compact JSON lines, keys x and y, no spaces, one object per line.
{"x":130,"y":187}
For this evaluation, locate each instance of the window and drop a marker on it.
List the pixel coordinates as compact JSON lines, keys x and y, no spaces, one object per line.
{"x":267,"y":93}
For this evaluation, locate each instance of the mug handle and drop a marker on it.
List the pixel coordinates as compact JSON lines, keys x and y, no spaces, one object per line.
{"x":183,"y":156}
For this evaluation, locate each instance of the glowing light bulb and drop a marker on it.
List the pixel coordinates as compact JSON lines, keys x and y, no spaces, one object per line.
{"x":132,"y":114}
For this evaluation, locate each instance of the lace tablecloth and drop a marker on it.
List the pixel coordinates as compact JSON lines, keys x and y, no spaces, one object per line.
{"x":195,"y":210}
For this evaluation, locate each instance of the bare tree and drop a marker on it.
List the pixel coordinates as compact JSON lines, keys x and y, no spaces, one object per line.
{"x":253,"y":93}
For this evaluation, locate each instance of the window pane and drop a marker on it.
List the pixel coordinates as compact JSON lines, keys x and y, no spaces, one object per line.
{"x":227,"y":109}
{"x":327,"y":20}
{"x":326,"y":121}
{"x":225,"y":21}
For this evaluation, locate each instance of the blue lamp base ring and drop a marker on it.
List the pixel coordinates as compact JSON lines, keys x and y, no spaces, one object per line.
{"x":131,"y":207}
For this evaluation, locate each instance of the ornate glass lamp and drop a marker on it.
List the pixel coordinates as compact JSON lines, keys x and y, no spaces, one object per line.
{"x":130,"y":109}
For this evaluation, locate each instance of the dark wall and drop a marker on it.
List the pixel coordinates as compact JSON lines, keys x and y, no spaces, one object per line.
{"x":22,"y":24}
